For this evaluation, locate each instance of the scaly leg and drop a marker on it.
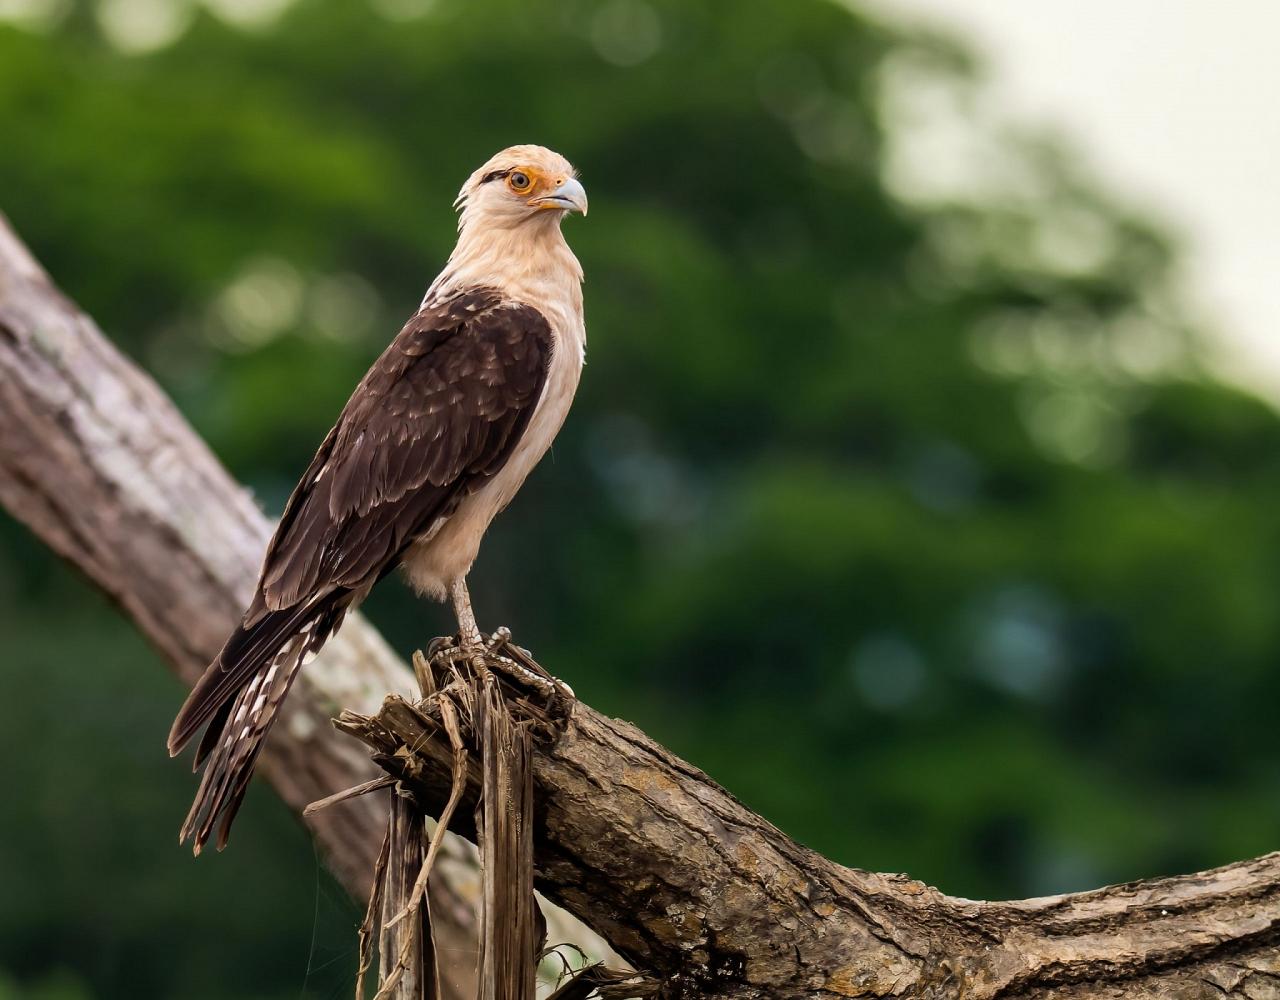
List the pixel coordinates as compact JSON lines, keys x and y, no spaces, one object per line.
{"x":469,"y":637}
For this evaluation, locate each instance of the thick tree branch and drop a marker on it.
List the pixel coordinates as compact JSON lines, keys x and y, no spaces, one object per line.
{"x":698,"y":891}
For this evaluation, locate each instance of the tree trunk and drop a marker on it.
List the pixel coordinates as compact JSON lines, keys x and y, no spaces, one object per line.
{"x":97,"y":461}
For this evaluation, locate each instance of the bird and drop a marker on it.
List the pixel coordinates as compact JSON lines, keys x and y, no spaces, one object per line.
{"x":435,"y":440}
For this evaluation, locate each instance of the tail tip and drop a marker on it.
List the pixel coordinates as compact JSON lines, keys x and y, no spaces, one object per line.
{"x":178,"y":735}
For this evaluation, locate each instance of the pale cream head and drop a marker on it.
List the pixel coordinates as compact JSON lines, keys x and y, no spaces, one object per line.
{"x":509,"y":232}
{"x":519,"y":185}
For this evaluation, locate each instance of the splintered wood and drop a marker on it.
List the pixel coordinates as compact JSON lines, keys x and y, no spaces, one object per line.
{"x":406,"y":951}
{"x":512,"y":932}
{"x":490,"y":710}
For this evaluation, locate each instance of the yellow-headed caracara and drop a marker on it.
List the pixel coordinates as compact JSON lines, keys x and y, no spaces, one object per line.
{"x":435,"y":440}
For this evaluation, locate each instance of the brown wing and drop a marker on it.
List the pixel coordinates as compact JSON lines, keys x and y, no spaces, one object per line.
{"x":438,"y":413}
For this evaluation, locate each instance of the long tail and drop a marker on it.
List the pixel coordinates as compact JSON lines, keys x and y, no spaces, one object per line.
{"x":239,"y":696}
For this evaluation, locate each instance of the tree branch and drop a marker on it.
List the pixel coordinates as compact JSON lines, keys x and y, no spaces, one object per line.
{"x":699,"y":892}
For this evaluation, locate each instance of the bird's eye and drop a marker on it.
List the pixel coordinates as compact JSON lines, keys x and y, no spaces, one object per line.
{"x":519,"y":181}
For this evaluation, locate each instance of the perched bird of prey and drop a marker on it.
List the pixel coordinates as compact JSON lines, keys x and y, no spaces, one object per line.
{"x":435,"y":440}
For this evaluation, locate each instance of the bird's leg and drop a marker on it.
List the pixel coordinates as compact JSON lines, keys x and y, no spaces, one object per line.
{"x":469,"y":647}
{"x":469,"y":637}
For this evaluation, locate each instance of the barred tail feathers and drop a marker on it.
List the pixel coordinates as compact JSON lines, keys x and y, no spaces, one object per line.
{"x":231,"y":751}
{"x":257,"y":641}
{"x":239,"y":697}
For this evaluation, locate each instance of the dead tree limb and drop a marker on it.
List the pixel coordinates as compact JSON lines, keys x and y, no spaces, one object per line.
{"x":102,"y":467}
{"x":710,"y":900}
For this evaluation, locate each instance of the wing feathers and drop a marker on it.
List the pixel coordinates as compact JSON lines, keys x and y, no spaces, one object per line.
{"x":439,"y":412}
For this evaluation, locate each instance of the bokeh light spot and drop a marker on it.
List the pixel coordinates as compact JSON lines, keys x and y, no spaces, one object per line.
{"x":888,"y":671}
{"x":138,"y":26}
{"x":626,"y":32}
{"x":263,"y":301}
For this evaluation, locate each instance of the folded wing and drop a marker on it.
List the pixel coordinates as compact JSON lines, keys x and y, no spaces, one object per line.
{"x":437,"y":415}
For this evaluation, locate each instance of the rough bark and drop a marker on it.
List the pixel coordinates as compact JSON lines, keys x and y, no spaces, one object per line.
{"x":710,"y":900}
{"x":99,"y":464}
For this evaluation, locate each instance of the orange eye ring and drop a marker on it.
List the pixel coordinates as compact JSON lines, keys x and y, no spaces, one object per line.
{"x":519,"y":181}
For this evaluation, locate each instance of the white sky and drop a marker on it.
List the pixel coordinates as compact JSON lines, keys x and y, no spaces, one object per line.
{"x":1175,"y":104}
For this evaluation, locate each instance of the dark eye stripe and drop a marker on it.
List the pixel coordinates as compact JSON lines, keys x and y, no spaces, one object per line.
{"x":494,"y":175}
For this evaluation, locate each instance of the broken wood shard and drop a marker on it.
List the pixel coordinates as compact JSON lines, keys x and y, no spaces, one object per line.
{"x":511,"y":925}
{"x":406,"y":951}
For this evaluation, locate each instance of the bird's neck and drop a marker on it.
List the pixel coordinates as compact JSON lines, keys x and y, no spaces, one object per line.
{"x":529,"y":263}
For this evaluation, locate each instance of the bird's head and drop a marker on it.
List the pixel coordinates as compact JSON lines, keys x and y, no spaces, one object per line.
{"x":522,"y":184}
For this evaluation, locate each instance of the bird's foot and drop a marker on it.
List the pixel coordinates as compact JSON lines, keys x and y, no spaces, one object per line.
{"x":504,"y":656}
{"x":446,"y":652}
{"x":511,"y":663}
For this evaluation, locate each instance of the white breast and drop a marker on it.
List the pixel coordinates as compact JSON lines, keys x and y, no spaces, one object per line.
{"x":447,"y":552}
{"x":544,"y":425}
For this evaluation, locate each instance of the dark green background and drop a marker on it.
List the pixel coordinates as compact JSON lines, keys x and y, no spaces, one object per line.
{"x":919,"y":526}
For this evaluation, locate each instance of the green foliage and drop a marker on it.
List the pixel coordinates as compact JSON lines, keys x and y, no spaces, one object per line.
{"x":914,"y":521}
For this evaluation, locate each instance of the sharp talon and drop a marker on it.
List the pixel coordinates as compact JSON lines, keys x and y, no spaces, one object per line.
{"x":438,"y":645}
{"x":505,"y":657}
{"x":446,"y":652}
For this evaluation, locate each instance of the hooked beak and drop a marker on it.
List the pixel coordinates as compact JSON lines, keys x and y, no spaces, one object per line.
{"x":570,"y":196}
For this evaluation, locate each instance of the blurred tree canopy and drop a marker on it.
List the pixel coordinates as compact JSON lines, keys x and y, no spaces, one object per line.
{"x":898,"y":495}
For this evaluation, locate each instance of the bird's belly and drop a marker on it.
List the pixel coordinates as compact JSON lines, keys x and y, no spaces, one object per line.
{"x":446,"y":552}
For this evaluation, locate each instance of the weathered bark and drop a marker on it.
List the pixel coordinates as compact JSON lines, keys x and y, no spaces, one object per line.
{"x":98,"y":462}
{"x":687,"y":883}
{"x":712,"y":901}
{"x":406,"y":948}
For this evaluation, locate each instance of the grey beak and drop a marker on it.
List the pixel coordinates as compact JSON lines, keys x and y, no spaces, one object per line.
{"x":570,"y":196}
